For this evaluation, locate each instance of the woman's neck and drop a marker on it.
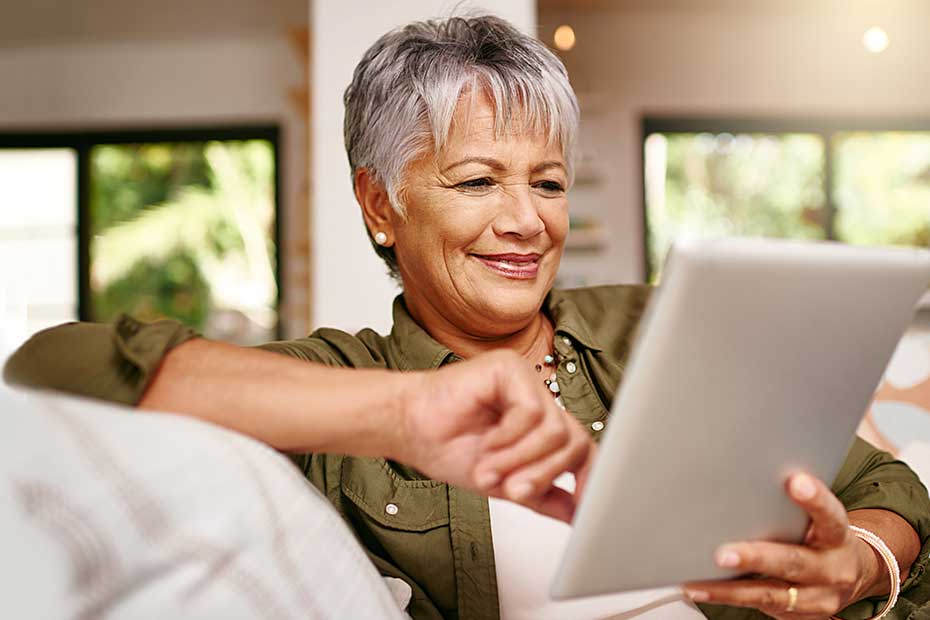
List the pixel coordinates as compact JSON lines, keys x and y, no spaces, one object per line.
{"x":532,"y":341}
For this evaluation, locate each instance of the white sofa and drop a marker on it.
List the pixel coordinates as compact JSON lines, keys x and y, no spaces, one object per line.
{"x":110,"y":512}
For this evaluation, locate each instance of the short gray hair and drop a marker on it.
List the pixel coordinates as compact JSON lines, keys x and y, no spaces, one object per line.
{"x":406,"y":87}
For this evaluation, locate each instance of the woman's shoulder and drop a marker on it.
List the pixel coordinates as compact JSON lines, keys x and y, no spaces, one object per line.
{"x":608,"y":298}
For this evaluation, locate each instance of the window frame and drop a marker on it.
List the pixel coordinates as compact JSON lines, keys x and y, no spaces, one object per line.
{"x":825,"y":128}
{"x":83,"y":141}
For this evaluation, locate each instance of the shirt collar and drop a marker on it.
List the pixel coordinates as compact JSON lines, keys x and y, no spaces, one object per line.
{"x":569,"y":320}
{"x":415,"y":349}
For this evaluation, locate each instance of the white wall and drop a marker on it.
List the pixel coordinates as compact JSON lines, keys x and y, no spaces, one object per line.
{"x":112,"y":84}
{"x":723,"y":58}
{"x":350,"y":288}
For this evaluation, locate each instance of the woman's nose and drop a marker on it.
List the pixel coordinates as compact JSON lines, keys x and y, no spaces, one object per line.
{"x":519,"y":214}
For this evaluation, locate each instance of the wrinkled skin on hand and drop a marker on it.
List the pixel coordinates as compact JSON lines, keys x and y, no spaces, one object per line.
{"x":832,"y":569}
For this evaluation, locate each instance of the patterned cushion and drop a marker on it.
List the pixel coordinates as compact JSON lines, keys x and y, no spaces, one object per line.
{"x":115,"y":513}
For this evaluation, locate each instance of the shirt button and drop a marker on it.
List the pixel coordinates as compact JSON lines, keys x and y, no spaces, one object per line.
{"x":391,"y":509}
{"x":567,"y":340}
{"x":597,"y":426}
{"x":571,"y":368}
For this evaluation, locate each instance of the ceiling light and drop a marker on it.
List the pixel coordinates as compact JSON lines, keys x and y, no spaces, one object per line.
{"x":875,"y":40}
{"x":564,"y":38}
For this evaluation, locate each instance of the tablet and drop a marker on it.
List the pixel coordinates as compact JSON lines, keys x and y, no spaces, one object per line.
{"x":755,"y":359}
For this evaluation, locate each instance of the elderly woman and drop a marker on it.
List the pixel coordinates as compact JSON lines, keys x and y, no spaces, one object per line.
{"x":460,"y":136}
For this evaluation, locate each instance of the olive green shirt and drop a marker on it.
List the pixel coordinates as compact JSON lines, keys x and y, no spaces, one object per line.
{"x":439,"y":540}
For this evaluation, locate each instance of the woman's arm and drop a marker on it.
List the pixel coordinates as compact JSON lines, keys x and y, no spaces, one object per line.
{"x":486,"y":424}
{"x":290,"y":405}
{"x":901,"y":539}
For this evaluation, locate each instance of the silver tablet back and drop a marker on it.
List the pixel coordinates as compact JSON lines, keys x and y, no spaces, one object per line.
{"x":756,"y":358}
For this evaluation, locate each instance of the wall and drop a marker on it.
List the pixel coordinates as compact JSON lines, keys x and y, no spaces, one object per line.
{"x":720,"y":58}
{"x":350,"y":286}
{"x":105,"y":76}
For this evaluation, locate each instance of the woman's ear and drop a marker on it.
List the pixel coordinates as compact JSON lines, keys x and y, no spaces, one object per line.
{"x":376,"y":207}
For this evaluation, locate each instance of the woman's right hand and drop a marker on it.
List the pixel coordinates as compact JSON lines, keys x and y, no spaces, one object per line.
{"x":490,"y":425}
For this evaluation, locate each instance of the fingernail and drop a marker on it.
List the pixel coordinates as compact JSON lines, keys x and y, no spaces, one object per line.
{"x":698,"y":596}
{"x":488,"y":479}
{"x":802,"y":487}
{"x":521,"y":490}
{"x":726,"y":558}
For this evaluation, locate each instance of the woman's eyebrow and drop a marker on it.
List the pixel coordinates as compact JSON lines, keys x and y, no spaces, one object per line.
{"x":548,"y":164}
{"x":494,"y":164}
{"x":490,"y":162}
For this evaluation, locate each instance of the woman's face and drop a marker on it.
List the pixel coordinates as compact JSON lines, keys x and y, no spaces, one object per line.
{"x":486,"y":224}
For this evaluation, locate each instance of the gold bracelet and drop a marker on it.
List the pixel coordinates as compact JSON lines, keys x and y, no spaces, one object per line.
{"x":891,"y":563}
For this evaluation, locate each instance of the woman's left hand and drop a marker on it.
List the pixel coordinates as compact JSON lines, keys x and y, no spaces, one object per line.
{"x":830,"y":571}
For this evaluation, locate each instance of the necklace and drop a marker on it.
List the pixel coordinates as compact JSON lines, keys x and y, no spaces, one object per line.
{"x":551,"y":363}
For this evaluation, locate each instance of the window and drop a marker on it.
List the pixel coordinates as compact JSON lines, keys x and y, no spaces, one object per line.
{"x":856,"y":184}
{"x":166,"y":224}
{"x":38,"y":232}
{"x":882,"y":187}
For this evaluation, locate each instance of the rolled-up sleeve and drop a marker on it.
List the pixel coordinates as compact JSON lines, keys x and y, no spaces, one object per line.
{"x":871,"y":478}
{"x":108,"y":361}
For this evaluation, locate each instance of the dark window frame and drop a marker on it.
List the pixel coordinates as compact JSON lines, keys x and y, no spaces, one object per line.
{"x":83,"y":141}
{"x":825,"y":128}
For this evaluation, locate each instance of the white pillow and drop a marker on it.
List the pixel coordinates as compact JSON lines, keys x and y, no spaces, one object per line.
{"x":109,"y":512}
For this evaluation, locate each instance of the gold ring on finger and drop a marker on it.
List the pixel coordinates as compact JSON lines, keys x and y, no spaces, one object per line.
{"x":792,"y":599}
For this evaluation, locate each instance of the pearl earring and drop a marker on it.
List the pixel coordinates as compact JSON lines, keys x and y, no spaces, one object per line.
{"x":380,"y":238}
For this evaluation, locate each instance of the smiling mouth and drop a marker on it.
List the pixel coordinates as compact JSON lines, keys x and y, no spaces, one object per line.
{"x":513,"y":266}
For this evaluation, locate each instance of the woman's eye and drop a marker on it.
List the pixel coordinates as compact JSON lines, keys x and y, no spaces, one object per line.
{"x":476,"y":183}
{"x":551,"y":187}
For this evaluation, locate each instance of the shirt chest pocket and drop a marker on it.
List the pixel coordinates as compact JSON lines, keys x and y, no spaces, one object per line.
{"x":405,"y":522}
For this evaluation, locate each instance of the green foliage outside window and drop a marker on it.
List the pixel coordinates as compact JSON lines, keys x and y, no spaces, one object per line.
{"x":185,"y":231}
{"x":882,"y":188}
{"x":702,"y":185}
{"x":743,"y":185}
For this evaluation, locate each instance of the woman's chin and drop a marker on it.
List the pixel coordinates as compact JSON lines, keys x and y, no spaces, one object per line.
{"x":504,"y":304}
{"x":509,"y":305}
